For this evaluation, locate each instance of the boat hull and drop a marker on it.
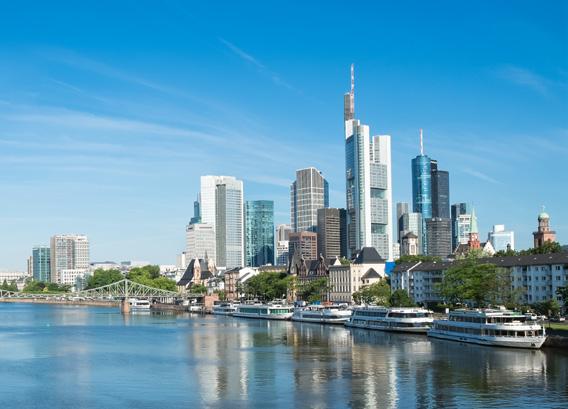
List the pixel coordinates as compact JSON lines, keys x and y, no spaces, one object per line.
{"x":406,"y":330}
{"x":279,"y":317}
{"x":525,"y":342}
{"x":322,"y":320}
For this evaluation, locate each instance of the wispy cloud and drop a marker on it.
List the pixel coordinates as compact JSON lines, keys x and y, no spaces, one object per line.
{"x":263,"y":69}
{"x":482,"y":176}
{"x":524,"y":77}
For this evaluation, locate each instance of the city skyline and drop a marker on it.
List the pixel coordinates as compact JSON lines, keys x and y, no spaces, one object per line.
{"x":110,"y":142}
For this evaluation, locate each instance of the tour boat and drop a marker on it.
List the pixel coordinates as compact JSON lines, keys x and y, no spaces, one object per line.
{"x":264,"y":311}
{"x":136,"y":304}
{"x":399,"y":319}
{"x":496,"y":327}
{"x":324,"y":314}
{"x":224,"y":308}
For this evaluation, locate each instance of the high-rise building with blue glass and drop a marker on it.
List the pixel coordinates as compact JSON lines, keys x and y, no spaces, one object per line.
{"x":259,"y":236}
{"x":41,"y":263}
{"x":422,"y":189}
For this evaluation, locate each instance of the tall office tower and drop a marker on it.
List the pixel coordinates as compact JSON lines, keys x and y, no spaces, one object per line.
{"x":368,"y":184}
{"x":259,"y":242}
{"x":412,"y":223}
{"x":196,"y":211}
{"x":305,"y":242}
{"x":200,"y":242}
{"x":308,"y":193}
{"x":381,"y":196}
{"x":422,"y":189}
{"x":501,"y":239}
{"x":68,"y":252}
{"x":332,"y":233}
{"x":41,"y":263}
{"x":439,"y":237}
{"x":282,"y":253}
{"x":401,"y":208}
{"x":440,"y":191}
{"x":222,"y":207}
{"x":283,"y":232}
{"x":461,"y":226}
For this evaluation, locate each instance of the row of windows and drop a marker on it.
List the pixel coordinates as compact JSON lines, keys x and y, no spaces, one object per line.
{"x":488,"y":332}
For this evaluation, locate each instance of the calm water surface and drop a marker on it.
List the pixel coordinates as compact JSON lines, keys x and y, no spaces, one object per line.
{"x":83,"y":357}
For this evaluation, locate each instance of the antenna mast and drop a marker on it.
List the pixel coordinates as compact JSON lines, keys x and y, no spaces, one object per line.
{"x":421,"y":143}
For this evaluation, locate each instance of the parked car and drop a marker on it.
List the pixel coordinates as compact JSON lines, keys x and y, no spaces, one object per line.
{"x":558,"y":319}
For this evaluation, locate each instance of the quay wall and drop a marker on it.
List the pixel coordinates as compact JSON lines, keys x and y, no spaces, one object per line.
{"x":92,"y":303}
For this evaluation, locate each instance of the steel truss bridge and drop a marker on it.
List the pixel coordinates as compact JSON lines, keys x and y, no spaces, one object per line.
{"x":117,"y":291}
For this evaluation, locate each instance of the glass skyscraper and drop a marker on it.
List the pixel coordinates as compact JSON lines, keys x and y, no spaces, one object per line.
{"x":308,"y":193}
{"x":422,"y":192}
{"x":41,"y":263}
{"x":368,"y":184}
{"x":440,"y":191}
{"x":259,"y":237}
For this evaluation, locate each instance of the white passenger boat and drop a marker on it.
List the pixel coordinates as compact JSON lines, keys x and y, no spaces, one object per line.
{"x":225,"y":308}
{"x":399,"y":319}
{"x":496,"y":327}
{"x":139,"y":305}
{"x":323,"y":314}
{"x":264,"y":311}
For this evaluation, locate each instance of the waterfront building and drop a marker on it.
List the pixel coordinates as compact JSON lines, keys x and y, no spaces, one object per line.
{"x":535,"y":277}
{"x":368,"y":184}
{"x":76,"y":278}
{"x":283,"y":232}
{"x":412,"y":223}
{"x":68,"y":252}
{"x":103,"y":265}
{"x":440,"y":191}
{"x":18,"y":277}
{"x":197,"y":272}
{"x":332,"y":232}
{"x":366,"y":268}
{"x":308,"y":193}
{"x":282,"y":254}
{"x":234,"y":280}
{"x":304,"y":243}
{"x":41,"y":263}
{"x":422,"y":190}
{"x":401,"y":209}
{"x":200,"y":242}
{"x":460,"y":225}
{"x":501,"y":239}
{"x":259,"y":222}
{"x":543,"y":234}
{"x":439,"y":236}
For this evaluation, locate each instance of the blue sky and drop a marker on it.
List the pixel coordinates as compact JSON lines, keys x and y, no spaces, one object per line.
{"x":110,"y":111}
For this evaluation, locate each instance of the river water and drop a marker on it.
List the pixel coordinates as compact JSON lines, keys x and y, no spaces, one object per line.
{"x":86,"y":357}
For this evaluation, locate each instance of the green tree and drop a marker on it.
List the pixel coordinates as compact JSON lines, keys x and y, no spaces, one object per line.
{"x":198,"y":289}
{"x":378,"y":293}
{"x":312,"y":290}
{"x":150,"y":275}
{"x":102,"y":277}
{"x":416,"y":259}
{"x":400,"y":298}
{"x":267,"y":286}
{"x":470,"y":280}
{"x":563,"y":293}
{"x":549,"y":307}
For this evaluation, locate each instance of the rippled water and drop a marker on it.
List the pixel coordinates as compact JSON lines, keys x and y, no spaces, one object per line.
{"x":82,"y":357}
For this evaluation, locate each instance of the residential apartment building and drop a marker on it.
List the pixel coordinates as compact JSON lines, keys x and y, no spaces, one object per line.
{"x":68,"y":252}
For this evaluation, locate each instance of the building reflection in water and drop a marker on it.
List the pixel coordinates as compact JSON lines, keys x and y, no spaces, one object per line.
{"x":298,"y":364}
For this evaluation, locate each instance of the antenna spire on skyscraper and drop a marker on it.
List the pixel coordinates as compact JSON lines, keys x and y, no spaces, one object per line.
{"x":352,"y":79}
{"x":421,"y":143}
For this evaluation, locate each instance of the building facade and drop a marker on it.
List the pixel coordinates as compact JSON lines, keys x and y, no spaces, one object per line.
{"x":543,"y":233}
{"x":439,"y":236}
{"x":461,"y":226}
{"x":422,"y":192}
{"x":308,"y":193}
{"x":412,"y":223}
{"x":282,"y":254}
{"x":68,"y":252}
{"x":332,"y":232}
{"x":283,"y":232}
{"x":41,"y":263}
{"x":401,"y":209}
{"x":440,"y":191}
{"x":501,"y":239}
{"x":304,"y":243}
{"x":200,"y":242}
{"x":368,"y":184}
{"x":259,"y":243}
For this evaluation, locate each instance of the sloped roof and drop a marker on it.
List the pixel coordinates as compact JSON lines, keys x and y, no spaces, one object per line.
{"x":410,"y":235}
{"x":371,"y":273}
{"x":368,"y":255}
{"x":188,"y":274}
